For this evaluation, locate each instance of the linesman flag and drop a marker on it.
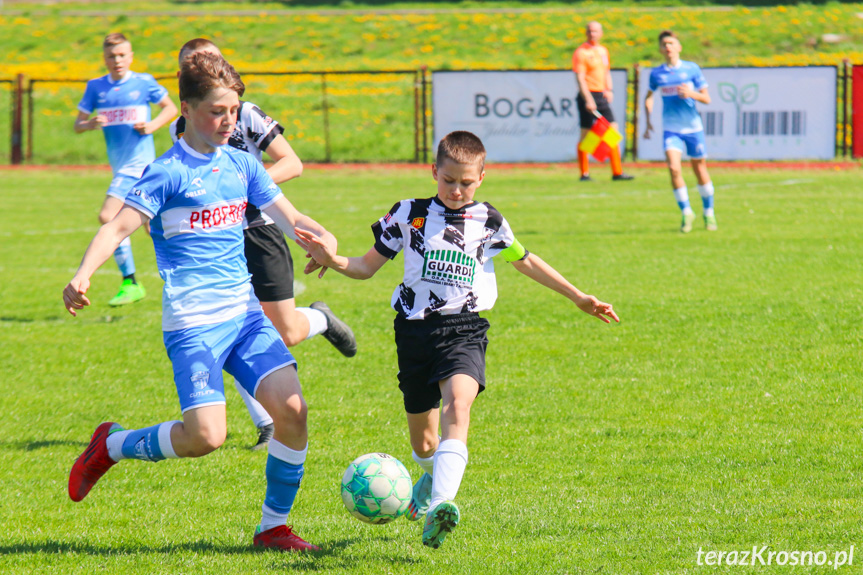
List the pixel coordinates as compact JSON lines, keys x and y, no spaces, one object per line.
{"x":600,"y":140}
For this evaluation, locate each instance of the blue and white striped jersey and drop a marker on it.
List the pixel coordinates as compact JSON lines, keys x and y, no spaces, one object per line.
{"x":197,"y":203}
{"x":678,"y":114}
{"x":124,"y":103}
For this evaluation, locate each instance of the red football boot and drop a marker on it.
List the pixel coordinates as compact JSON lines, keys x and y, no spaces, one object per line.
{"x":92,"y":464}
{"x":282,"y":538}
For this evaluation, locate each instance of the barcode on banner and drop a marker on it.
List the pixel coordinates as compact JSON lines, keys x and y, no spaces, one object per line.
{"x":712,"y":123}
{"x":773,"y":123}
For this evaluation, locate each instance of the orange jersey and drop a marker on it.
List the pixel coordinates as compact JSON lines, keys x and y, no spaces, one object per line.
{"x":593,"y":62}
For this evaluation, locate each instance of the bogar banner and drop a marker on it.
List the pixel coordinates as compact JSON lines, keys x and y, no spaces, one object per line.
{"x":756,"y":114}
{"x":521,"y":116}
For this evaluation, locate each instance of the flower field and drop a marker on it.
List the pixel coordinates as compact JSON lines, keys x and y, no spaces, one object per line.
{"x":64,"y":43}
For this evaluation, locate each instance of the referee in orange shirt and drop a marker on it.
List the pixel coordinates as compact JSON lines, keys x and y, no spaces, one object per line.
{"x":593,"y":73}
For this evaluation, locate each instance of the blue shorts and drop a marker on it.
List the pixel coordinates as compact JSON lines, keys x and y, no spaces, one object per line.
{"x":120,"y":186}
{"x":692,"y":144}
{"x":247,"y":346}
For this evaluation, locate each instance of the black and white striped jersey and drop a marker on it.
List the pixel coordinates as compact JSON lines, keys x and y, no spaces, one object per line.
{"x":253,"y":133}
{"x":448,"y":255}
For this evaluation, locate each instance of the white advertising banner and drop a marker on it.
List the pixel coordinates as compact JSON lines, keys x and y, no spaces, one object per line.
{"x":521,"y":116}
{"x":756,"y":114}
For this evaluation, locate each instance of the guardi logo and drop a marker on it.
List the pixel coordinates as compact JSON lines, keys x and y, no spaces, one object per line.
{"x":748,"y":94}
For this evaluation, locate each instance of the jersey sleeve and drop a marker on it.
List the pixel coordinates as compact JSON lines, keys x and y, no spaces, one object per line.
{"x":152,"y":191}
{"x":88,"y":101}
{"x":262,"y":129}
{"x":389,"y":239}
{"x":652,"y":83}
{"x":500,"y":238}
{"x":578,"y":65}
{"x":698,"y":79}
{"x":262,"y":190}
{"x":155,"y":91}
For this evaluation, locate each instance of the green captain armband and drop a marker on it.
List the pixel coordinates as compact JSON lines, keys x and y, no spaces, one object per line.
{"x":514,"y":252}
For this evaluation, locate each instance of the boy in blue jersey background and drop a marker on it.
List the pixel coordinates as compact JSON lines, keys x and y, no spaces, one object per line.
{"x":121,"y":103}
{"x":194,"y":197}
{"x":681,"y":84}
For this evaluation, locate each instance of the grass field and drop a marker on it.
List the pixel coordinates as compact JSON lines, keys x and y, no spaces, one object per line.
{"x":722,"y":413}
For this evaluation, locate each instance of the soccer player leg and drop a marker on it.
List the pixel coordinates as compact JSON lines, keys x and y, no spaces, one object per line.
{"x":423,"y":429}
{"x":263,"y":365}
{"x":698,"y":158}
{"x":450,"y":459}
{"x":674,"y":147}
{"x":130,"y":290}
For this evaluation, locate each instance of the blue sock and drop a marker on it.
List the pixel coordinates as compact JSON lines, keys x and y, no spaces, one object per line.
{"x":148,"y":444}
{"x":124,"y":259}
{"x":706,"y":192}
{"x":682,"y":197}
{"x":285,"y":468}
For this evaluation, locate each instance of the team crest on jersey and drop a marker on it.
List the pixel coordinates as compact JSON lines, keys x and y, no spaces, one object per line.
{"x":418,"y":223}
{"x":143,"y":195}
{"x":200,"y":379}
{"x":134,"y":94}
{"x":448,"y":267}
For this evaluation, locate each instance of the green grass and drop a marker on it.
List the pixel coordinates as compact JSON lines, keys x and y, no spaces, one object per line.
{"x":723,"y":412}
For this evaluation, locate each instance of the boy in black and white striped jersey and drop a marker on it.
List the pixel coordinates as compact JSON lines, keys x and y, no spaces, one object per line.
{"x":449,"y":241}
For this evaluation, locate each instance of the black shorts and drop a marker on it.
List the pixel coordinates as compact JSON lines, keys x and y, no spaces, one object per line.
{"x":269,"y":261}
{"x":587,"y":118}
{"x":430,"y":350}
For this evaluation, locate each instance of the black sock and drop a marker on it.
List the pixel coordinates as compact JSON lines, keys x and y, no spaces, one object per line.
{"x":130,"y":277}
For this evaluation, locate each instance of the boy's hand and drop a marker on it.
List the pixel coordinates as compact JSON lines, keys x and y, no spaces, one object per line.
{"x":97,"y":122}
{"x":73,"y":295}
{"x":647,"y":131}
{"x":320,"y":252}
{"x":144,"y":128}
{"x":592,"y":306}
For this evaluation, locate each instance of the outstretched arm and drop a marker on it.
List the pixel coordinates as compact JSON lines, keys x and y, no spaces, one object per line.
{"x":535,"y":268}
{"x":100,"y":249}
{"x":289,"y":219}
{"x":648,"y":110}
{"x":359,"y":268}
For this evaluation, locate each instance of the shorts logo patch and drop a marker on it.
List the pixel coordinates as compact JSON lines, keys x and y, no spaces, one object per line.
{"x":448,"y":267}
{"x":418,"y":222}
{"x":200,"y":379}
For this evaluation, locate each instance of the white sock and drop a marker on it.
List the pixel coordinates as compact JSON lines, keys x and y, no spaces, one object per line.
{"x":706,"y":192}
{"x":270,"y":518}
{"x":260,"y":417}
{"x":114,"y":442}
{"x":450,"y":461}
{"x":317,"y":321}
{"x":427,"y":463}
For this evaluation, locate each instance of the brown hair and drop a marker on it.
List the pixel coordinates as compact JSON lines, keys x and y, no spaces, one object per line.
{"x":193,"y":46}
{"x":202,"y":72}
{"x":667,"y":34}
{"x":460,"y":147}
{"x":113,"y":40}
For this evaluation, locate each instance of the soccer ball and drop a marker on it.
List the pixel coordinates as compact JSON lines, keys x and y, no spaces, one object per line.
{"x":376,"y":488}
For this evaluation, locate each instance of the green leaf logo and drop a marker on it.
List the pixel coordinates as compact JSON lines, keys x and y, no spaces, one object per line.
{"x":728,"y":92}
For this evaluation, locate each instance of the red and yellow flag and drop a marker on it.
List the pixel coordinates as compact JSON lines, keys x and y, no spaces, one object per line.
{"x":600,"y":140}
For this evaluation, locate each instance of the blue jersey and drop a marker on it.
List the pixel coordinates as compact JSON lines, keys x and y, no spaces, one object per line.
{"x":124,"y":103}
{"x":678,"y":114}
{"x":196,"y":203}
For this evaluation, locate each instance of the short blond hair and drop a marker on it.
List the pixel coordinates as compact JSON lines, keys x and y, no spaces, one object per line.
{"x":114,"y":39}
{"x":462,"y":148}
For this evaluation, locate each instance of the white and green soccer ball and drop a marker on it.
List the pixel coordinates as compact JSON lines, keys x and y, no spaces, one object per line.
{"x":376,"y":488}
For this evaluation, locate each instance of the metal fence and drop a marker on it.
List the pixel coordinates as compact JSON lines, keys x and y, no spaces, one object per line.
{"x":329,"y":116}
